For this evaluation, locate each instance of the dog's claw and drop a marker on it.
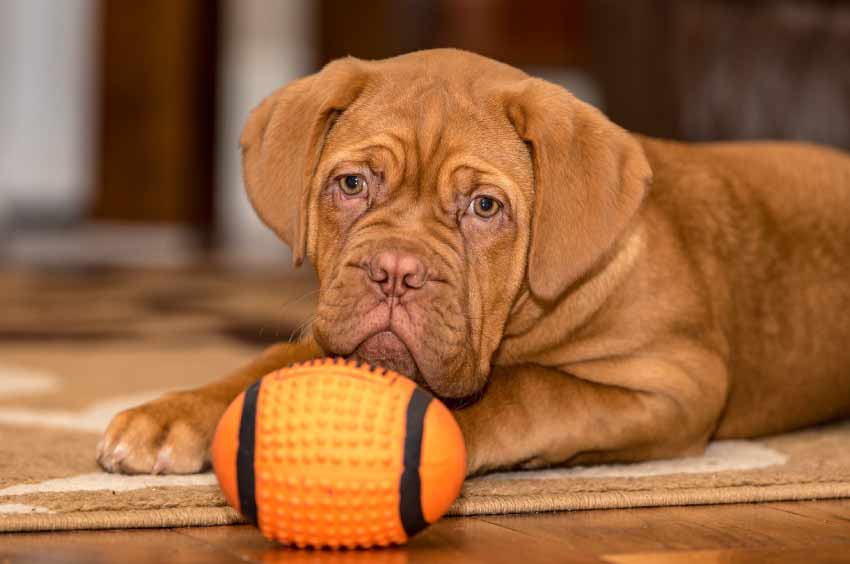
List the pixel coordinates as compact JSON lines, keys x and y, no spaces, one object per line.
{"x":163,"y":460}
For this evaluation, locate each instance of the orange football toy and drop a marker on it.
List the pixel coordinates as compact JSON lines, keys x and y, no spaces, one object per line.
{"x":330,"y":453}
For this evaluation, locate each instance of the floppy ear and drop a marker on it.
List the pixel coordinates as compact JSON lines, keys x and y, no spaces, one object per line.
{"x":590,"y":177}
{"x":282,"y":142}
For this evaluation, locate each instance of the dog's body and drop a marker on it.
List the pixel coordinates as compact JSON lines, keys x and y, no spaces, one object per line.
{"x":587,"y":294}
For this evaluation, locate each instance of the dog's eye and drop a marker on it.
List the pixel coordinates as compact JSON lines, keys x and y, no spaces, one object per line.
{"x":485,"y":206}
{"x":352,"y":184}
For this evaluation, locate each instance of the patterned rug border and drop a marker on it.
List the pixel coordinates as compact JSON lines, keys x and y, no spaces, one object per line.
{"x":141,"y":519}
{"x":672,"y":497}
{"x":212,"y":516}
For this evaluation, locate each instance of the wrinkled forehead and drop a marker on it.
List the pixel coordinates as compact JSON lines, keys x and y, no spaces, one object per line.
{"x":430,"y":127}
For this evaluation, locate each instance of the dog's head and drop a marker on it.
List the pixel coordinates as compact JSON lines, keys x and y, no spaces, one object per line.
{"x":431,"y":190}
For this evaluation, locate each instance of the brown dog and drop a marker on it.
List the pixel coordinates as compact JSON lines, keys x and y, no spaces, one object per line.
{"x":592,"y":295}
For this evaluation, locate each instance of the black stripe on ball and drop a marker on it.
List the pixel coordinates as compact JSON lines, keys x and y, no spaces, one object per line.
{"x":245,"y":454}
{"x":410,"y":486}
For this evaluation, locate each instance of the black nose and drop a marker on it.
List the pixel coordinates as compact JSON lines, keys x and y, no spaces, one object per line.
{"x":397,"y":272}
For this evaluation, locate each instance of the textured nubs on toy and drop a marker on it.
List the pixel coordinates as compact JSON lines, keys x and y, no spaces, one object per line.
{"x":331,"y":454}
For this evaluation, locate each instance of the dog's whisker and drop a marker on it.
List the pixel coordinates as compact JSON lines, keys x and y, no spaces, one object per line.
{"x":302,"y":329}
{"x":303,"y":296}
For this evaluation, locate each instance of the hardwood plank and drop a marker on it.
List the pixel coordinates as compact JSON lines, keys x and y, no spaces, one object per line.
{"x":821,"y":555}
{"x":835,"y":511}
{"x":466,"y":540}
{"x":242,"y":541}
{"x":125,"y":546}
{"x":473,"y":539}
{"x":687,"y":528}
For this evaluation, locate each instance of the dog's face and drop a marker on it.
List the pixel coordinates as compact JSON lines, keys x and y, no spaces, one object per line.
{"x":414,"y":186}
{"x":421,"y":212}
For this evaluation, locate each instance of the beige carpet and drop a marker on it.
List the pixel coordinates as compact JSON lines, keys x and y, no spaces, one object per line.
{"x":77,"y":346}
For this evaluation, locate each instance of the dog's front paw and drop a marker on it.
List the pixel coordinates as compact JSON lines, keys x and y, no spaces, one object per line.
{"x":170,"y":435}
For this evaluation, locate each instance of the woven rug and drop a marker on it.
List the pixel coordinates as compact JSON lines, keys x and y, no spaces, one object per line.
{"x":77,"y":346}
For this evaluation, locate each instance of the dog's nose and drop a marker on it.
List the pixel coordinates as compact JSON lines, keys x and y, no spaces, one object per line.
{"x":396,"y":272}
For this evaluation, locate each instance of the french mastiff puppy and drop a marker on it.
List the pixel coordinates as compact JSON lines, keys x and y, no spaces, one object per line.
{"x":580,"y":294}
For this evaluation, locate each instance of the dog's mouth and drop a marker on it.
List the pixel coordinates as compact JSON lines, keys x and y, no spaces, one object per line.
{"x":387,"y":350}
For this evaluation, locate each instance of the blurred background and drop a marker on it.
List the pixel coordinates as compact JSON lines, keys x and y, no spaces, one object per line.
{"x":119,"y":120}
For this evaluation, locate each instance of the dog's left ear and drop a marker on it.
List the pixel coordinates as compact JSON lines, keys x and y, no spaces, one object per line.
{"x":283,"y":140}
{"x":590,"y":177}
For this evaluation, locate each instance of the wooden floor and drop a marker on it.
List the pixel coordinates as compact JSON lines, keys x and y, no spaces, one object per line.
{"x":809,"y":532}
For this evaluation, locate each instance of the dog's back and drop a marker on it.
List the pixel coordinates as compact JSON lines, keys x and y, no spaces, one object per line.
{"x":766,"y":227}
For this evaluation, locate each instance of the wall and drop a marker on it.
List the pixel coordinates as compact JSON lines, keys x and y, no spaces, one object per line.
{"x":265,"y":44}
{"x":47,"y":129}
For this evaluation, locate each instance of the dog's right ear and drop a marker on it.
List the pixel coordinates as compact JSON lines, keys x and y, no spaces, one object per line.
{"x":282,"y":142}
